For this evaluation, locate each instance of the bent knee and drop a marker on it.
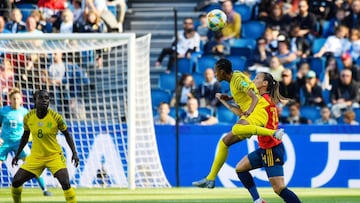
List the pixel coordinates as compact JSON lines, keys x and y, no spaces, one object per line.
{"x":278,"y":188}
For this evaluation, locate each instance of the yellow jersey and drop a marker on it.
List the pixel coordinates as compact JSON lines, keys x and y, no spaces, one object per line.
{"x":44,"y":132}
{"x":240,"y":84}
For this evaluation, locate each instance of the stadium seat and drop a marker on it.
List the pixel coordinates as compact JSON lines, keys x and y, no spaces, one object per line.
{"x":325,"y":29}
{"x":112,"y":9}
{"x":225,"y":87}
{"x":317,"y":45}
{"x":205,"y":62}
{"x":253,"y":29}
{"x":173,"y":112}
{"x":244,"y":11}
{"x":167,"y":82}
{"x":158,"y":96}
{"x":339,"y":63}
{"x":199,"y":78}
{"x":241,"y":51}
{"x":242,"y":42}
{"x":225,"y":116}
{"x":357,"y":114}
{"x":317,"y":65}
{"x":326,"y":96}
{"x":238,"y":62}
{"x":205,"y":111}
{"x":211,"y":7}
{"x":183,"y":66}
{"x":310,"y":112}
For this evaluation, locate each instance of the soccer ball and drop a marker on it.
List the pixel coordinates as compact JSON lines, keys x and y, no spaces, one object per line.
{"x":216,"y":20}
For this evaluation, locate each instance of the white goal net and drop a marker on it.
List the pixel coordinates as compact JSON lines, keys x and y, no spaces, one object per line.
{"x":100,"y":83}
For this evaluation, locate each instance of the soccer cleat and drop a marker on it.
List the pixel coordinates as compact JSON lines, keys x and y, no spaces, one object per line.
{"x":204,"y":183}
{"x":279,"y":133}
{"x":47,"y":193}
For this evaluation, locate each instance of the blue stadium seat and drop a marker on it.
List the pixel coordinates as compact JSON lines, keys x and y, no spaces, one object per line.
{"x":238,"y":62}
{"x":205,"y":111}
{"x":241,"y":51}
{"x":199,"y":78}
{"x":242,"y":42}
{"x":212,"y":6}
{"x":326,"y":96}
{"x":317,"y":65}
{"x":317,"y":45}
{"x":183,"y":66}
{"x":112,"y":9}
{"x":158,"y":96}
{"x":26,"y":9}
{"x":167,"y":82}
{"x":357,"y":114}
{"x":326,"y":29}
{"x":310,"y":112}
{"x":225,"y":116}
{"x":205,"y":62}
{"x":173,"y":112}
{"x":253,"y":29}
{"x":339,"y":63}
{"x":244,"y":11}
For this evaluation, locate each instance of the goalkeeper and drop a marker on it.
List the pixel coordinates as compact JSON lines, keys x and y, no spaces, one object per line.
{"x":251,"y":109}
{"x":44,"y":123}
{"x":11,"y":120}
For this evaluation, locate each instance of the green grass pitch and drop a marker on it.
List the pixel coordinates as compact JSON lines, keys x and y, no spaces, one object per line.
{"x":184,"y":195}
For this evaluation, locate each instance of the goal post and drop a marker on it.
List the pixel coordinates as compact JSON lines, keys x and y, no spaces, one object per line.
{"x":104,"y":95}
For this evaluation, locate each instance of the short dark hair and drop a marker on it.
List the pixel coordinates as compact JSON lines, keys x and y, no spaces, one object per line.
{"x":225,"y":65}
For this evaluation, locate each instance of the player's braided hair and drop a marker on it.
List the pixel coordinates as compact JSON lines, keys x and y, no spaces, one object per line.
{"x":273,"y":89}
{"x":225,"y":65}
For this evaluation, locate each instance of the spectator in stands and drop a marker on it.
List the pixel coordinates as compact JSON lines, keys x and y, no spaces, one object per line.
{"x":287,"y":58}
{"x":77,"y":10}
{"x":287,"y":87}
{"x":121,"y":10}
{"x":294,"y":115}
{"x":7,"y":78}
{"x":353,"y":20}
{"x":307,"y":22}
{"x":261,"y":55}
{"x":92,"y":24}
{"x":277,"y":19}
{"x":31,"y":26}
{"x":325,"y":117}
{"x":349,"y":117}
{"x":270,"y":35}
{"x":348,"y":64}
{"x":186,"y":89}
{"x":41,"y":23}
{"x":76,"y":79}
{"x":233,"y":23}
{"x":331,"y":74}
{"x":3,"y":30}
{"x":202,"y":29}
{"x":100,"y":8}
{"x":337,"y":44}
{"x":311,"y":92}
{"x":188,"y":43}
{"x":355,"y":43}
{"x":344,"y":94}
{"x":51,"y":8}
{"x":298,"y":44}
{"x":335,"y":22}
{"x":206,"y":91}
{"x":276,"y":68}
{"x":34,"y":76}
{"x":67,"y":22}
{"x":193,"y":116}
{"x":304,"y":68}
{"x":322,"y":9}
{"x":163,"y":117}
{"x":16,"y":24}
{"x":217,"y":46}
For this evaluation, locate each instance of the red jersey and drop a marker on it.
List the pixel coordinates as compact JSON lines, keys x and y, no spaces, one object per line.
{"x":267,"y":142}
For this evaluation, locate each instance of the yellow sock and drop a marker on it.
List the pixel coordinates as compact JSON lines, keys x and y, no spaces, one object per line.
{"x":220,"y":157}
{"x":70,"y":195}
{"x":249,"y":130}
{"x":16,"y":194}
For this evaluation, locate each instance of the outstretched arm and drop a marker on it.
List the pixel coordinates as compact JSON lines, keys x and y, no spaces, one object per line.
{"x":23,"y":142}
{"x":235,"y":109}
{"x":71,"y":144}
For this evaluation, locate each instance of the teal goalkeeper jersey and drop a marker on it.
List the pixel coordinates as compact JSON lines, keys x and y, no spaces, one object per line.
{"x":12,"y":123}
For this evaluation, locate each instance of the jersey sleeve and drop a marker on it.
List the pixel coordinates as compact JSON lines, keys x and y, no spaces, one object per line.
{"x":60,"y":121}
